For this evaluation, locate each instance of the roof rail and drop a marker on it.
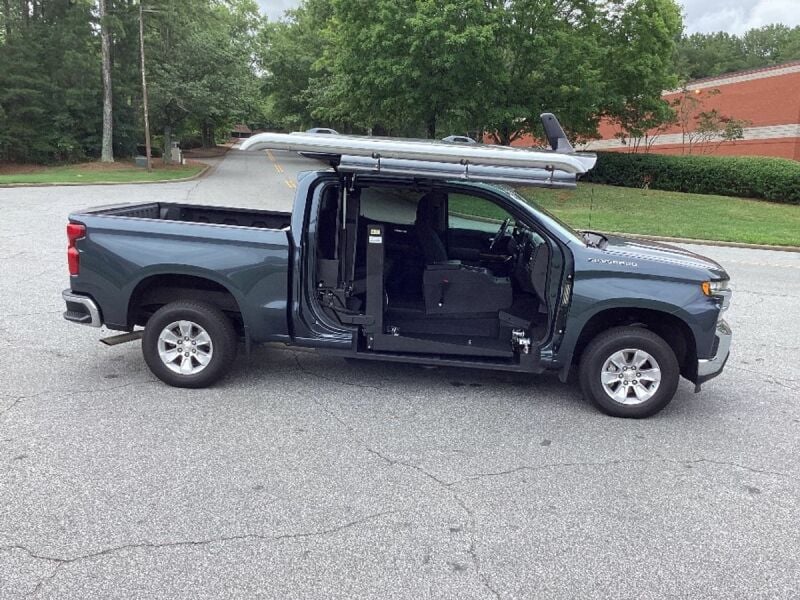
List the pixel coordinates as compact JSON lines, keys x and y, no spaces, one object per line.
{"x":442,"y":160}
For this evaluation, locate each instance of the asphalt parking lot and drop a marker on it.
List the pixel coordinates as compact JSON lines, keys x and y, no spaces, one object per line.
{"x":303,"y":476}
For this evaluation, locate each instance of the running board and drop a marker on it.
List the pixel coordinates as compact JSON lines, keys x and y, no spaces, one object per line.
{"x":400,"y":343}
{"x":526,"y":366}
{"x":123,"y":338}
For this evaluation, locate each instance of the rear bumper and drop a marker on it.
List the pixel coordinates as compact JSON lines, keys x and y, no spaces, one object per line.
{"x":708,"y":368}
{"x":81,"y":309}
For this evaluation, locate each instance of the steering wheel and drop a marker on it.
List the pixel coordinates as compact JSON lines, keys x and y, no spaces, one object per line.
{"x":500,"y":234}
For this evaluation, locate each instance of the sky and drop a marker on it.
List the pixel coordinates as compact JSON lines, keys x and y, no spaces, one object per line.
{"x":733,"y":16}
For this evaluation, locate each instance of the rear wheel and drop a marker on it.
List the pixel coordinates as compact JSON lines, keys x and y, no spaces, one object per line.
{"x":629,"y":372}
{"x":189,"y":344}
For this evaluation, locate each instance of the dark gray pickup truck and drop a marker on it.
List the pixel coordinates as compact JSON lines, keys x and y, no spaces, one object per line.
{"x":408,"y":252}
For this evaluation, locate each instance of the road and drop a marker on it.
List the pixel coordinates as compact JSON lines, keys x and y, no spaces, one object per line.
{"x":303,"y":476}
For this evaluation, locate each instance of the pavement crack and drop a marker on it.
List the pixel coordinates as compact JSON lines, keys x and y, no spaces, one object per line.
{"x":779,"y":381}
{"x":61,"y":562}
{"x":16,"y":401}
{"x":736,"y":465}
{"x":470,"y":526}
{"x":69,"y":393}
{"x":308,"y":371}
{"x":615,"y":462}
{"x":547,"y":466}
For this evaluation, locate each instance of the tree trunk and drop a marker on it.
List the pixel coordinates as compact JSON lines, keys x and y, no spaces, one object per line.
{"x":431,"y":126}
{"x":144,"y":91}
{"x":208,"y":134}
{"x":503,"y":136}
{"x":107,"y":151}
{"x":167,"y":153}
{"x":7,"y":18}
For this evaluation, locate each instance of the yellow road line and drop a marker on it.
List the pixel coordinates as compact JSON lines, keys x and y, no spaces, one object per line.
{"x":290,"y":184}
{"x":271,"y":155}
{"x":278,"y":168}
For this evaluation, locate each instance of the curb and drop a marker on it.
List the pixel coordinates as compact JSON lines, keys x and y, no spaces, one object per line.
{"x":678,"y":240}
{"x":204,"y":171}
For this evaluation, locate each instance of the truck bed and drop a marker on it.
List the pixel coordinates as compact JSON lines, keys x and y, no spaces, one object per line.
{"x":127,"y":249}
{"x":193,"y":213}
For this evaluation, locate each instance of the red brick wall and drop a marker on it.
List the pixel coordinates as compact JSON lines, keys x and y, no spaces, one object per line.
{"x":764,"y":98}
{"x":768,"y":101}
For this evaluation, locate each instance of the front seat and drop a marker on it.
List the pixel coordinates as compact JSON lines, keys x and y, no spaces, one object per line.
{"x":426,"y":227}
{"x":450,"y":287}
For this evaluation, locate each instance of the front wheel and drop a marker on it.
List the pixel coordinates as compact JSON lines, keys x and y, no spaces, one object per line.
{"x":629,"y":372}
{"x":189,"y":344}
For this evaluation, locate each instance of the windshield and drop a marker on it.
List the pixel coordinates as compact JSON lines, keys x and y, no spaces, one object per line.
{"x":548,"y":219}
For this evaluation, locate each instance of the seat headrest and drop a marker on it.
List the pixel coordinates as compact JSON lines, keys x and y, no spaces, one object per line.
{"x":428,"y":207}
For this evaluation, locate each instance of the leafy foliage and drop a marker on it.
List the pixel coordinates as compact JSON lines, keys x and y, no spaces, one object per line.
{"x":404,"y":66}
{"x":49,"y":83}
{"x":432,"y":67}
{"x":773,"y":179}
{"x":201,"y":63}
{"x":708,"y":54}
{"x":550,"y":59}
{"x":638,"y":64}
{"x":290,"y":50}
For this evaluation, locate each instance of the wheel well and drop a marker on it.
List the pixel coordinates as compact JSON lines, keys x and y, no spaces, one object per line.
{"x":669,"y":327}
{"x":156,"y":291}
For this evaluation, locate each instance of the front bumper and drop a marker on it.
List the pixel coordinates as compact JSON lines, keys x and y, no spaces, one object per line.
{"x":708,"y":368}
{"x":81,"y":309}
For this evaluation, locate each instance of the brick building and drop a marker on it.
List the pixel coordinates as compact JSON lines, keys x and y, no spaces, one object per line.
{"x":767,"y":99}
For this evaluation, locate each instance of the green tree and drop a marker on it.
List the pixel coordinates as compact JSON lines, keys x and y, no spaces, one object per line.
{"x":201,"y":54}
{"x":701,"y":55}
{"x":290,"y":52}
{"x":549,"y":61}
{"x":708,"y":54}
{"x":638,"y":64}
{"x":49,"y":81}
{"x":406,"y":66}
{"x":200,"y":64}
{"x":771,"y":44}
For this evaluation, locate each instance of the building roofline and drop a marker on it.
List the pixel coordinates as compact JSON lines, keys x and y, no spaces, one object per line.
{"x":791,"y":63}
{"x":739,"y":76}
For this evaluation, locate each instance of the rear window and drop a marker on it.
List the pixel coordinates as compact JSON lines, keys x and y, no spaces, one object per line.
{"x":389,"y":205}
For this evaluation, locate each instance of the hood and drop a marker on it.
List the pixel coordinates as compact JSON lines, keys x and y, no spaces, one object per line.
{"x":633,"y":250}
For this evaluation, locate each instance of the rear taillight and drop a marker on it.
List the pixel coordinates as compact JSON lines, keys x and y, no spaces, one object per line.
{"x":75,"y":232}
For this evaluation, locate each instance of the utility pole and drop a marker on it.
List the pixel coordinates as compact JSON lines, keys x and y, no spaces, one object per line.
{"x":144,"y":88}
{"x":107,"y":151}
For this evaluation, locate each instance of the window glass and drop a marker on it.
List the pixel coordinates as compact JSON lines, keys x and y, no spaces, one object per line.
{"x":389,"y":205}
{"x":475,"y":213}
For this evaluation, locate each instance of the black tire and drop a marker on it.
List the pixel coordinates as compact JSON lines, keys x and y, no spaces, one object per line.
{"x":219,"y":328}
{"x":608,"y":343}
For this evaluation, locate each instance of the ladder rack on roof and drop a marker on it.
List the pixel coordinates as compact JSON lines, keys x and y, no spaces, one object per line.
{"x":559,"y":167}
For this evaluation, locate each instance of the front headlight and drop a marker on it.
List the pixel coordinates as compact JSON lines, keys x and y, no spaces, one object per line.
{"x":713,"y":288}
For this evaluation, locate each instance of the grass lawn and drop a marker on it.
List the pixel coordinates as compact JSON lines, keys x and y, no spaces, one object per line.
{"x":94,"y":172}
{"x":672,"y":214}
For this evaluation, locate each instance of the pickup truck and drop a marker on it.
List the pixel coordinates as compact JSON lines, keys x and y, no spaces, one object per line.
{"x":406,"y":251}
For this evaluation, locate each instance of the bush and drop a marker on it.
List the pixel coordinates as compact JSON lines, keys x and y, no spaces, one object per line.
{"x":189,"y":142}
{"x":774,"y":179}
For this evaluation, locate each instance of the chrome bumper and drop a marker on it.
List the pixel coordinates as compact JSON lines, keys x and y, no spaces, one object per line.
{"x":81,"y":309}
{"x":711,"y":367}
